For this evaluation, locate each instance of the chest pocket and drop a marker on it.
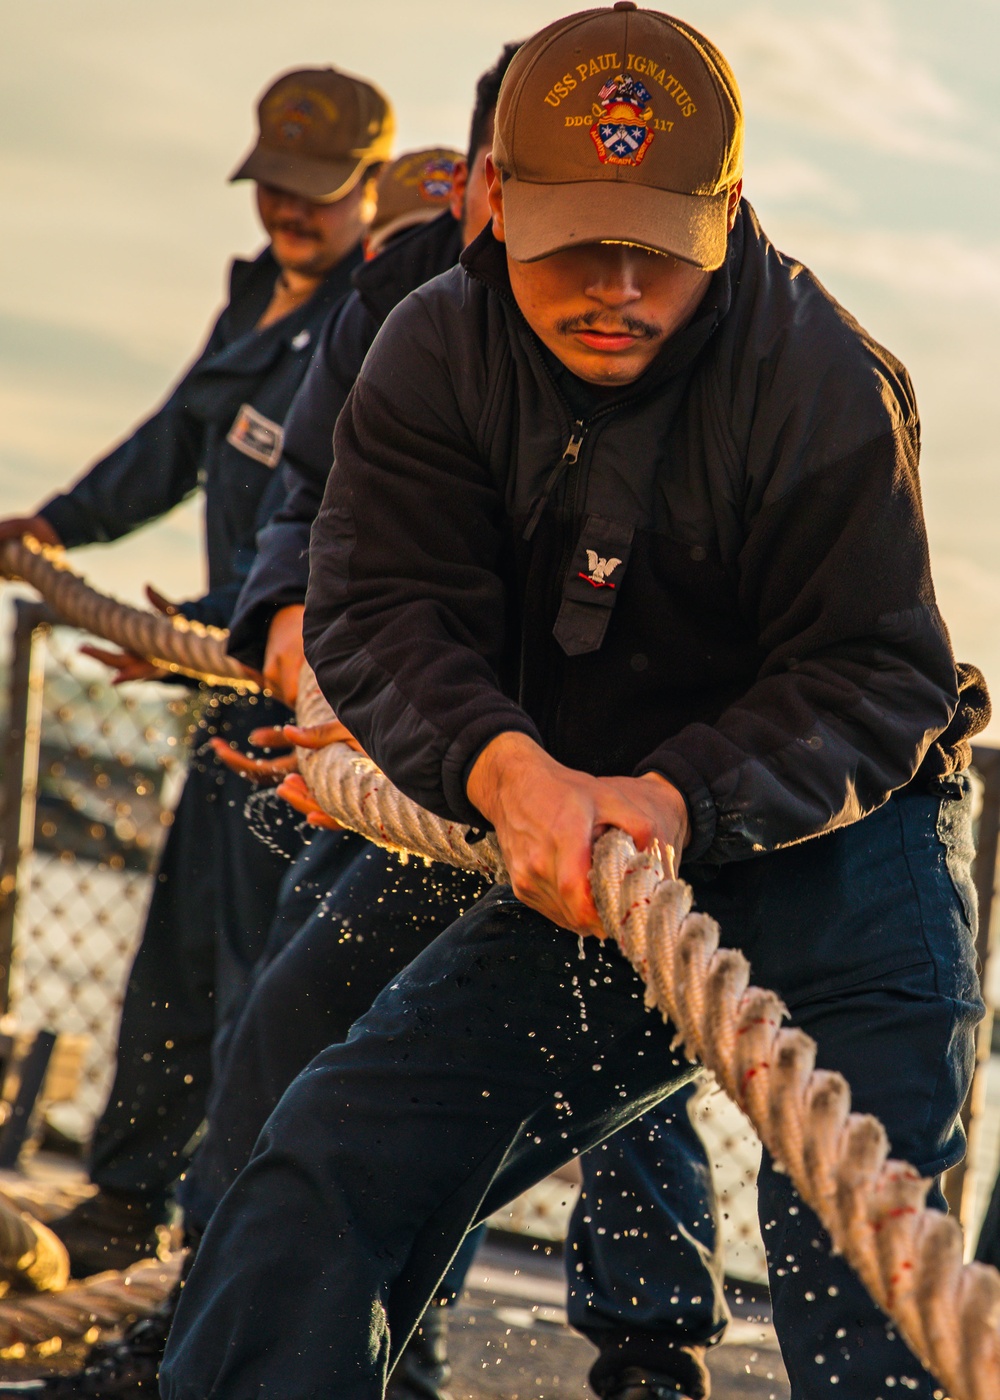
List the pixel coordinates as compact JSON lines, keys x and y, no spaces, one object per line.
{"x":256,"y":436}
{"x":591,"y":586}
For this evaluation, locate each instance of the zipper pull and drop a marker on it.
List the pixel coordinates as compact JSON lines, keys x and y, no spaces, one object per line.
{"x":575,"y":443}
{"x":570,"y":453}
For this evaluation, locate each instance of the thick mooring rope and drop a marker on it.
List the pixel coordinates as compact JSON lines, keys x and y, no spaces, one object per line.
{"x":38,"y":1302}
{"x":173,"y":643}
{"x":874,"y":1208}
{"x":360,"y":796}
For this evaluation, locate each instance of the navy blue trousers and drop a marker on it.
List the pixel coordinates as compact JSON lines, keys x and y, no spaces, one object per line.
{"x":650,"y":1182}
{"x":477,"y":1071}
{"x":213,"y":900}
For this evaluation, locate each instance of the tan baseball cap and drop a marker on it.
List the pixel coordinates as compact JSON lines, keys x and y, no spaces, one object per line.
{"x":414,"y":189}
{"x":319,"y":131}
{"x":619,"y":126}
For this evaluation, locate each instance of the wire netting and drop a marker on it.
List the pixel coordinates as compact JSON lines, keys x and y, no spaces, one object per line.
{"x":110,"y":765}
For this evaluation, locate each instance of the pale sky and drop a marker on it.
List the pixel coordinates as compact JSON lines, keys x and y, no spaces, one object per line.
{"x":873,"y":154}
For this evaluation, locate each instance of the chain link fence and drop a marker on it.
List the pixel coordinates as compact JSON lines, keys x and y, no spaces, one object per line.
{"x":91,"y":773}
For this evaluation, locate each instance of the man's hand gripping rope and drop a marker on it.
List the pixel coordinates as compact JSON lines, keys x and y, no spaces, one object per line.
{"x":547,"y":818}
{"x":284,"y":769}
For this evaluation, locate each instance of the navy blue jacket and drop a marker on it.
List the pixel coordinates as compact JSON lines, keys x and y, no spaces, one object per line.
{"x":202,"y":437}
{"x":280,"y":570}
{"x":726,"y":581}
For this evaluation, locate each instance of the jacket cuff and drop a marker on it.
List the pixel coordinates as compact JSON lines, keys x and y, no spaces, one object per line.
{"x":214,"y":609}
{"x":250,"y":625}
{"x":463,"y":752}
{"x":701,"y":807}
{"x":68,"y":521}
{"x":247,"y":640}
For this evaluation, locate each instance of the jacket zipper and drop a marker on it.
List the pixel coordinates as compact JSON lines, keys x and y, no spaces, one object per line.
{"x":576,"y":494}
{"x":551,"y":722}
{"x":570,"y":454}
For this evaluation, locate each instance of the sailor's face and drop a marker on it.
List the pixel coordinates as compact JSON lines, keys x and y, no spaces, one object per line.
{"x":308,"y":237}
{"x":604,"y":310}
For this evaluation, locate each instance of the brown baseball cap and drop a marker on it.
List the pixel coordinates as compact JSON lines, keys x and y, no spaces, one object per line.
{"x":319,"y":131}
{"x":619,"y":126}
{"x":414,"y":189}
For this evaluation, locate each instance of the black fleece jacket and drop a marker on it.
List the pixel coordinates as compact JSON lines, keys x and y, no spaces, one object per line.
{"x":280,"y":570}
{"x":769,"y":640}
{"x":192,"y":441}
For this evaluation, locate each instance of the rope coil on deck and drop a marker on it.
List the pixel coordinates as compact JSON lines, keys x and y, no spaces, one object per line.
{"x":874,"y":1208}
{"x":31,"y":1256}
{"x":39,"y":1301}
{"x":173,"y":643}
{"x":104,"y":1301}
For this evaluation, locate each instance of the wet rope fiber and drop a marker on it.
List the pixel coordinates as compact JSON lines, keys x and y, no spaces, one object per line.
{"x":39,"y":1301}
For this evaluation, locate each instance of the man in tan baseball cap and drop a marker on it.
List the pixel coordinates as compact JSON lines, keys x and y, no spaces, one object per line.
{"x":323,"y":138}
{"x":415,"y":188}
{"x":617,"y":159}
{"x":623,"y":531}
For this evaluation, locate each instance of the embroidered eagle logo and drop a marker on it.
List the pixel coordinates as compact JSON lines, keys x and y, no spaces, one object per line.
{"x":599,"y":569}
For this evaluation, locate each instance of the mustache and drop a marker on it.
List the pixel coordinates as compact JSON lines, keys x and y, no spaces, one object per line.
{"x":293,"y":227}
{"x":624,"y":324}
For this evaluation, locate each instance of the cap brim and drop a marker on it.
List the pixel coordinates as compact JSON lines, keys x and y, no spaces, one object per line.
{"x":324,"y":181}
{"x":543,"y":219}
{"x":378,"y":236}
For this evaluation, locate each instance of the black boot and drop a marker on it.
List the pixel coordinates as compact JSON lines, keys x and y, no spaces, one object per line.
{"x":107,"y":1231}
{"x":634,"y":1366}
{"x":423,"y":1369}
{"x":636,"y":1383}
{"x":122,"y":1370}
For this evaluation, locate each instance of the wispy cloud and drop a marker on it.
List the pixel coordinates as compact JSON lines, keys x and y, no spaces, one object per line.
{"x":789,"y":180}
{"x":848,"y":75}
{"x":938,"y":267}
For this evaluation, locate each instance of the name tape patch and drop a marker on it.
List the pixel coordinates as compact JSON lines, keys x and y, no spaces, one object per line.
{"x":256,"y":436}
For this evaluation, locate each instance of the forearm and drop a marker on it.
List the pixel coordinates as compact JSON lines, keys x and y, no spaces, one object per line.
{"x":142,"y":479}
{"x":856,"y":675}
{"x":405,"y":615}
{"x":278,"y":579}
